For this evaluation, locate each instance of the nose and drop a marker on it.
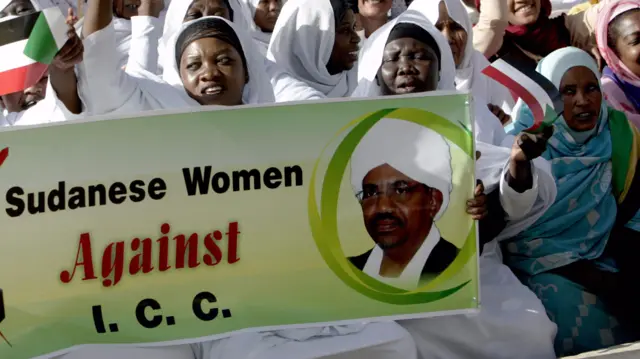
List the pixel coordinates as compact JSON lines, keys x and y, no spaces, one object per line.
{"x":210,"y":72}
{"x":405,"y":66}
{"x":384,"y":203}
{"x":274,"y":5}
{"x":354,"y":39}
{"x":580,"y":99}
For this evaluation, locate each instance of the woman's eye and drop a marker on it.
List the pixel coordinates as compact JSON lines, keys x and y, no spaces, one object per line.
{"x":193,"y":66}
{"x":193,"y":16}
{"x":224,"y":60}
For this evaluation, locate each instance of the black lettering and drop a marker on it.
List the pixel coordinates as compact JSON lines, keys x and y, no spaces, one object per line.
{"x":34,"y":206}
{"x":77,"y":198}
{"x":292,"y":170}
{"x":215,"y":182}
{"x":157,"y":188}
{"x":137,"y":191}
{"x":98,"y":320}
{"x":100,"y":191}
{"x":197,"y":181}
{"x":14,"y":200}
{"x":117,"y":193}
{"x":272,"y":178}
{"x":155,"y":321}
{"x":197,"y":306}
{"x":246,"y":176}
{"x":59,"y":195}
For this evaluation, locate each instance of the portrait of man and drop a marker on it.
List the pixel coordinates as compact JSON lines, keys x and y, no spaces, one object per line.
{"x":401,"y":175}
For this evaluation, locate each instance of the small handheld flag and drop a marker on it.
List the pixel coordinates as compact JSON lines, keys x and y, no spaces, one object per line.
{"x":28,"y":45}
{"x":542,"y":97}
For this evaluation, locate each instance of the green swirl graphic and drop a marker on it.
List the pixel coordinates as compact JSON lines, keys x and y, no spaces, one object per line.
{"x":324,"y":224}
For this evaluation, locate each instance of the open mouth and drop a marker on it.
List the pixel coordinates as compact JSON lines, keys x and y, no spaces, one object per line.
{"x":586,"y":116}
{"x":353,"y":55}
{"x":525,"y":9}
{"x":212,"y":90}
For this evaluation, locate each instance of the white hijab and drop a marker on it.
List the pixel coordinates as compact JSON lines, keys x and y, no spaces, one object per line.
{"x":469,"y":76}
{"x":258,"y":90}
{"x":371,"y":55}
{"x":174,"y":19}
{"x":260,"y":37}
{"x":301,"y":45}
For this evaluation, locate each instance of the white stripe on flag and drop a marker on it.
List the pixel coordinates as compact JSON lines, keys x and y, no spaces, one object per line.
{"x":57,"y":25}
{"x":536,"y":90}
{"x":13,"y":56}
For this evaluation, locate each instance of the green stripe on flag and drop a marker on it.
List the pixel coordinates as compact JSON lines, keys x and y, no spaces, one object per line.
{"x":41,"y":46}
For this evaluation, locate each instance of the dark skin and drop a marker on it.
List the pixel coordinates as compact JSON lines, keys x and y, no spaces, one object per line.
{"x":398,"y":214}
{"x":126,"y":9}
{"x":582,"y":98}
{"x":61,"y":72}
{"x":411,"y":66}
{"x":453,"y":32}
{"x":213,"y":73}
{"x":497,"y":111}
{"x":266,"y":15}
{"x":345,"y":46}
{"x":202,"y":8}
{"x":626,"y":35}
{"x":23,"y":100}
{"x":18,"y":8}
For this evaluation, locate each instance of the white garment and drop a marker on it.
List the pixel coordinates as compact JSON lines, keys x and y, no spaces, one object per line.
{"x":385,"y":340}
{"x":105,"y":88}
{"x":409,"y":279}
{"x":301,"y":45}
{"x":469,"y":76}
{"x":260,"y":37}
{"x":144,"y":44}
{"x":512,"y":322}
{"x":174,"y":18}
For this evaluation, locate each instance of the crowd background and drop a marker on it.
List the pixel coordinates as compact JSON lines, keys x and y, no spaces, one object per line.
{"x":558,"y":211}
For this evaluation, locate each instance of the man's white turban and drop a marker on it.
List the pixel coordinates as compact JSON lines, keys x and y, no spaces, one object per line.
{"x":417,"y":151}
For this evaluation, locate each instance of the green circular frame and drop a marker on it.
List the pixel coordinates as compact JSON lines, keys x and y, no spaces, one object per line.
{"x":324,"y":225}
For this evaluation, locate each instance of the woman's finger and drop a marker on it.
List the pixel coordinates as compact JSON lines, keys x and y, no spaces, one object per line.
{"x":478,"y":155}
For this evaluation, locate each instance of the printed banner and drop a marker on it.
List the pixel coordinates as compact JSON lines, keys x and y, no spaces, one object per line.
{"x":179,"y":227}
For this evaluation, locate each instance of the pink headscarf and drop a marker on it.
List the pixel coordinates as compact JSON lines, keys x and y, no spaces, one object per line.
{"x":608,"y":13}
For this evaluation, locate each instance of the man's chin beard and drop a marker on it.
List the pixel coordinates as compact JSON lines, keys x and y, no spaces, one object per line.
{"x":396,"y":244}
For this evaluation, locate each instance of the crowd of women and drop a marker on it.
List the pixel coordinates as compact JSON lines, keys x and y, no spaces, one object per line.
{"x":558,"y":210}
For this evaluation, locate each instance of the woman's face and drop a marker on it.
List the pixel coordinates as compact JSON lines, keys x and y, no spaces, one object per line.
{"x":212,"y":72}
{"x":453,"y":32}
{"x":345,"y":47}
{"x":523,"y":12}
{"x":627,"y":44}
{"x":374,"y":9}
{"x":408,"y":66}
{"x":17,"y":8}
{"x":202,"y":8}
{"x":267,"y":13}
{"x":582,"y":98}
{"x":126,"y":9}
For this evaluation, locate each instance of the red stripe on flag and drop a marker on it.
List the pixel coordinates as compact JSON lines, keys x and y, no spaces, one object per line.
{"x":523,"y":93}
{"x":21,"y":78}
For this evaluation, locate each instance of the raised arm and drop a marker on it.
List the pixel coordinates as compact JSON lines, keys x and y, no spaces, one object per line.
{"x":146,"y":30}
{"x":62,"y":73}
{"x":98,"y":15}
{"x":488,"y":34}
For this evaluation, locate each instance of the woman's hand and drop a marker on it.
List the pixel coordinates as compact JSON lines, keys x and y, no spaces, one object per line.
{"x":477,"y":207}
{"x":71,"y":53}
{"x":151,"y":8}
{"x":527,"y":147}
{"x":497,"y":111}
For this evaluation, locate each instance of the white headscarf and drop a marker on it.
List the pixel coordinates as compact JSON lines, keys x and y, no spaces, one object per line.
{"x":371,"y":55}
{"x":261,"y":38}
{"x":469,"y":76}
{"x":257,"y":90}
{"x":301,"y":45}
{"x":417,"y":151}
{"x":174,"y":19}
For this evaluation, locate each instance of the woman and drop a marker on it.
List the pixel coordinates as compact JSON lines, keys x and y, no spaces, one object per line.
{"x":409,"y":55}
{"x":54,"y":98}
{"x":212,"y":63}
{"x":262,"y":16}
{"x":524,"y":26}
{"x":313,"y":50}
{"x":451,"y":18}
{"x":575,"y":256}
{"x":617,"y":29}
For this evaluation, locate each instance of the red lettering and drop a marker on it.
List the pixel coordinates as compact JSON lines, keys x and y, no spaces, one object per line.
{"x":232,"y":237}
{"x":215,"y":253}
{"x":112,"y":264}
{"x":141,"y":261}
{"x":84,"y":252}
{"x":186,"y":247}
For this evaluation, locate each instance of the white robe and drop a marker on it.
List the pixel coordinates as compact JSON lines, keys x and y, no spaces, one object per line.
{"x":512,"y":322}
{"x":469,"y":76}
{"x":300,"y":48}
{"x":260,"y":38}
